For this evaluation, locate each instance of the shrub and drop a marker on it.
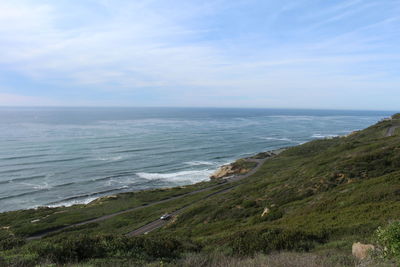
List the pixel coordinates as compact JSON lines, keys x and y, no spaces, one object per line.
{"x":9,"y":241}
{"x":249,"y":204}
{"x":251,"y":242}
{"x":83,"y":247}
{"x":388,"y":239}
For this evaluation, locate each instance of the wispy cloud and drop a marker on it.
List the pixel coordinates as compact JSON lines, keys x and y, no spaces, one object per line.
{"x":197,"y":50}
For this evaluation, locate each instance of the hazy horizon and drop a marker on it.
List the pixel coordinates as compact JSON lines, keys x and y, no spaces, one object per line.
{"x":199,"y":107}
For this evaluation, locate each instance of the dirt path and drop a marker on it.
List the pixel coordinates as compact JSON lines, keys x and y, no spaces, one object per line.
{"x":158,"y":223}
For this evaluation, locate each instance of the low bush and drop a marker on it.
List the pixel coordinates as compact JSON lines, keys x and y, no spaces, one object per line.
{"x":85,"y":247}
{"x":9,"y":241}
{"x":388,"y":240}
{"x":251,"y":242}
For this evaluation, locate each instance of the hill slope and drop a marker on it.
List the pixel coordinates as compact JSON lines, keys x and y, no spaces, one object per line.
{"x":331,"y":189}
{"x":320,"y":196}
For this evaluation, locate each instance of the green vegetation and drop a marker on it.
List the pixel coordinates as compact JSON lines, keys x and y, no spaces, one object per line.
{"x":263,"y":155}
{"x":128,"y":222}
{"x":24,"y":223}
{"x":388,"y":240}
{"x":314,"y":200}
{"x":242,"y":164}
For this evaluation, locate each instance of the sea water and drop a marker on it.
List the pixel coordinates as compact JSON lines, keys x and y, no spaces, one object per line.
{"x":66,"y":156}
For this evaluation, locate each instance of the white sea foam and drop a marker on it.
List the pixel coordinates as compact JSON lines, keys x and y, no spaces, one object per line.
{"x":278,"y":139}
{"x":192,"y":176}
{"x":37,"y":186}
{"x":109,"y":158}
{"x":70,"y":203}
{"x":321,"y":136}
{"x":199,"y":163}
{"x":43,"y":186}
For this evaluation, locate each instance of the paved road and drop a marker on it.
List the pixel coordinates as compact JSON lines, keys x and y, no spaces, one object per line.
{"x":157,"y":223}
{"x":106,"y":217}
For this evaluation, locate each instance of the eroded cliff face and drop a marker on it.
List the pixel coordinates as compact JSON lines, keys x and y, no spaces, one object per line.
{"x":241,"y":166}
{"x":228,"y":170}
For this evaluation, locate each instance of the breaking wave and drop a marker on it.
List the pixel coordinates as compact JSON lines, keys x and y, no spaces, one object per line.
{"x":278,"y":139}
{"x":322,"y":136}
{"x":200,"y":163}
{"x":192,"y":176}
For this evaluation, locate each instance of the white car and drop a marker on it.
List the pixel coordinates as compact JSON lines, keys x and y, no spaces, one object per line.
{"x":165,"y":217}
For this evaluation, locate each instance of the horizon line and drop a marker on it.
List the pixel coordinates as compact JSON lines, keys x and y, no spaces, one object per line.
{"x":205,"y":107}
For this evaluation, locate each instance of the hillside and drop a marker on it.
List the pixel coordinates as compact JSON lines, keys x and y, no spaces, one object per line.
{"x":319,"y":198}
{"x":334,"y":188}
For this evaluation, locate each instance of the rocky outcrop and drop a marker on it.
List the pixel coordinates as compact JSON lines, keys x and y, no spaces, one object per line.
{"x":243,"y":166}
{"x":267,"y":154}
{"x":228,"y":170}
{"x":223,"y":171}
{"x":100,"y":200}
{"x":265,"y":212}
{"x":361,"y":251}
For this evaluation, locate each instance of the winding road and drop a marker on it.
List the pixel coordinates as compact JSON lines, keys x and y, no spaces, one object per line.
{"x":109,"y":216}
{"x":158,"y":223}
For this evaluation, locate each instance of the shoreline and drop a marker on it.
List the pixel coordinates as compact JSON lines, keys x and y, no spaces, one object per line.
{"x":62,"y":180}
{"x":210,"y":179}
{"x":243,"y":166}
{"x":209,"y":188}
{"x":92,"y":200}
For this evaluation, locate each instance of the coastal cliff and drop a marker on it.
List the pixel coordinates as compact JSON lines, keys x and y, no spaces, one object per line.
{"x":242,"y":166}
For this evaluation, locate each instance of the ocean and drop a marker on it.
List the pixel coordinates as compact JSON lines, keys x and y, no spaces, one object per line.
{"x":66,"y":156}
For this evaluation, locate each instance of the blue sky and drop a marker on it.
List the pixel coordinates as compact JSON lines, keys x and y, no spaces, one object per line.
{"x":250,"y":53}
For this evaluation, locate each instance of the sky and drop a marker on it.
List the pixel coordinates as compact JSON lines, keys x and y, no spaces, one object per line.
{"x":191,"y":53}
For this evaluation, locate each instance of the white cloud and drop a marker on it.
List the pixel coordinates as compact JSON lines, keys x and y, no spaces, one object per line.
{"x":133,"y":44}
{"x":140,"y":45}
